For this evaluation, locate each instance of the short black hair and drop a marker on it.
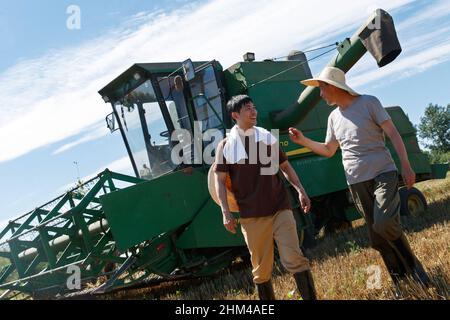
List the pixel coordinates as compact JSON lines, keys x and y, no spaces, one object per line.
{"x":236,"y":103}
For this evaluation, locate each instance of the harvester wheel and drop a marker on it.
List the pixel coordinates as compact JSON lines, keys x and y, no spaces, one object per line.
{"x":413,"y":202}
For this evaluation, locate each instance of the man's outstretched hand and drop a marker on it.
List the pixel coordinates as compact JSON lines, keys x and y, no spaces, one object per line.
{"x":296,"y":136}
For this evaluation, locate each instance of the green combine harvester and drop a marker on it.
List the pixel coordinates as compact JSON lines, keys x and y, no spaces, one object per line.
{"x":162,"y":223}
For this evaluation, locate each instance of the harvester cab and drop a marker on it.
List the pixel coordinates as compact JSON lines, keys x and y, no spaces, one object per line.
{"x":157,"y":106}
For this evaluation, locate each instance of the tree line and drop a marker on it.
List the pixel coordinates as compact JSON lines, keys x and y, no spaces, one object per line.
{"x":434,"y":132}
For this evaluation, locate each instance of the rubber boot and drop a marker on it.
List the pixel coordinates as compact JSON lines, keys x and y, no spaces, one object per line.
{"x":393,"y":263}
{"x":305,"y":285}
{"x":395,"y":268}
{"x":412,"y":265}
{"x":265,"y":291}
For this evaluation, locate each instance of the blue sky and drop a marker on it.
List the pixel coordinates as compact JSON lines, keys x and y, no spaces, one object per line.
{"x":51,"y":114}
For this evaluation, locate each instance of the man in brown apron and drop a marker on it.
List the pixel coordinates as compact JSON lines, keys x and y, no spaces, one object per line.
{"x":265,"y":212}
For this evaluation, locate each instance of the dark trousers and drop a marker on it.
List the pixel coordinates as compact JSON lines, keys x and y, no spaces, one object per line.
{"x":378,"y":201}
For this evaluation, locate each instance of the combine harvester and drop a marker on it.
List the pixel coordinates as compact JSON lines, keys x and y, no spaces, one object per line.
{"x":163,"y":223}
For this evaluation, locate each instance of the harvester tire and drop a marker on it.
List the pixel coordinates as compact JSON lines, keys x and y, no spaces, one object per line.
{"x":412,"y":202}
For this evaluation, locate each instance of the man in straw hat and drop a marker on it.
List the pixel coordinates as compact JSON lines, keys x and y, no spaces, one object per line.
{"x":265,"y":211}
{"x":357,"y":126}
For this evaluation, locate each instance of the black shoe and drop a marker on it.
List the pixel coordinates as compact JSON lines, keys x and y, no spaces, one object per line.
{"x":413,"y":266}
{"x":265,"y":291}
{"x":305,"y":285}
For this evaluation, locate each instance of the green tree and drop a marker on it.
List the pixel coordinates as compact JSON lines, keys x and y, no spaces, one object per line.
{"x":434,"y":129}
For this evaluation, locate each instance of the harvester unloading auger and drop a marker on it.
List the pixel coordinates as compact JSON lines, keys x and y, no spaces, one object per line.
{"x":163,"y":222}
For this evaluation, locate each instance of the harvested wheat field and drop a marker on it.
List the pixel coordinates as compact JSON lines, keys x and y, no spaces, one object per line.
{"x":343,"y":265}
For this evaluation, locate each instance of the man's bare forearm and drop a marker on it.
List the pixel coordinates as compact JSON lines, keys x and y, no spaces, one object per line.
{"x":292,"y":177}
{"x":399,"y":147}
{"x":221,"y":191}
{"x":317,"y":147}
{"x":391,"y":131}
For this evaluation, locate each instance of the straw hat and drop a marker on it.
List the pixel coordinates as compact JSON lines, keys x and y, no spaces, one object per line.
{"x":333,"y":76}
{"x":232,"y":203}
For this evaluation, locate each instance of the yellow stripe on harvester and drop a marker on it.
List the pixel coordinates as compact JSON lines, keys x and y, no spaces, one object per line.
{"x":298,"y":151}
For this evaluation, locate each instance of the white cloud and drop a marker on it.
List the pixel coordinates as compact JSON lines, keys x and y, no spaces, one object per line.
{"x":54,"y":97}
{"x":434,"y":11}
{"x":427,"y":39}
{"x":422,"y":47}
{"x":99,"y":131}
{"x":122,"y":165}
{"x":405,"y":67}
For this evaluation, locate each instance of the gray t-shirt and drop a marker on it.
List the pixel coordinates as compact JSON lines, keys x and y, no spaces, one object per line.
{"x":359,"y":134}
